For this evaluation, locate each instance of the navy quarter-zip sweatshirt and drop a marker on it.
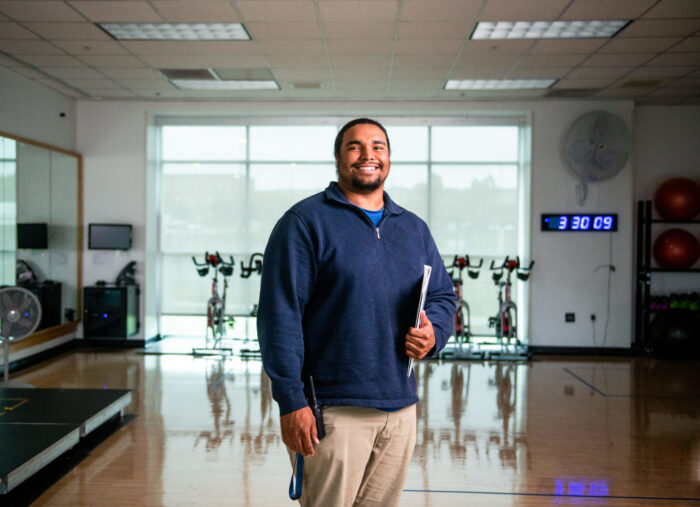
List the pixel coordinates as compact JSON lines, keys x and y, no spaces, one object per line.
{"x":337,"y":298}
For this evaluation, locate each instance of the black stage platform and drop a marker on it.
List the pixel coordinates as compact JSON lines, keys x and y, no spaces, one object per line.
{"x":38,"y":425}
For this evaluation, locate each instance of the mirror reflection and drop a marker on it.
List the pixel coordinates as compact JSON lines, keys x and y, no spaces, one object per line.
{"x":39,"y":225}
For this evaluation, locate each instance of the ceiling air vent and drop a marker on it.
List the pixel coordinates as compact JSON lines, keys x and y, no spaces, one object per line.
{"x":190,"y":74}
{"x":306,"y":86}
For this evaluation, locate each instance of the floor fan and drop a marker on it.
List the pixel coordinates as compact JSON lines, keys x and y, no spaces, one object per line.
{"x":20,"y":314}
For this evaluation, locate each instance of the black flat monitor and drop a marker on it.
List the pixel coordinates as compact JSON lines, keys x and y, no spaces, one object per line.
{"x":32,"y":236}
{"x":109,"y":236}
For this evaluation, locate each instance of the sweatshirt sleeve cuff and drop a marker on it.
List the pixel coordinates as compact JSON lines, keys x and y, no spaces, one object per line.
{"x":292,"y":401}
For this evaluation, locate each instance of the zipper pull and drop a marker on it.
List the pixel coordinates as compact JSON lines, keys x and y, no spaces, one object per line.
{"x":378,"y":236}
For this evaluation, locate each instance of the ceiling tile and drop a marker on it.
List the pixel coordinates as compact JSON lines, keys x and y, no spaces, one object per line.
{"x":423,"y":61}
{"x":15,"y":31}
{"x":513,"y":47}
{"x":276,"y":10}
{"x":598,"y":72}
{"x":518,"y":10}
{"x":201,"y":11}
{"x":430,"y":47}
{"x":52,"y":61}
{"x":94,"y":47}
{"x":161,"y":94}
{"x":607,"y":60}
{"x":552,"y":60}
{"x":538,"y":72}
{"x":406,"y":74}
{"x":174,"y":62}
{"x":29,"y":47}
{"x":583,"y":83}
{"x":283,"y":31}
{"x":10,"y":63}
{"x":410,"y":84}
{"x":674,"y":91}
{"x":166,"y":48}
{"x":555,"y":46}
{"x":676,"y":59}
{"x":112,"y":61}
{"x":433,"y":31}
{"x":624,"y":92}
{"x":108,"y":92}
{"x":117,"y":10}
{"x":440,"y":10}
{"x":360,"y":47}
{"x":481,"y":72}
{"x":29,"y":72}
{"x":648,"y":72}
{"x":691,"y":44}
{"x":605,"y":9}
{"x":226,"y":48}
{"x":661,"y":28}
{"x":234,"y":61}
{"x":686,"y":83}
{"x":366,"y":31}
{"x":141,"y":74}
{"x":146,"y":84}
{"x":639,"y":45}
{"x":354,"y":65}
{"x":73,"y":73}
{"x":92,"y":83}
{"x":675,"y":9}
{"x":302,"y":74}
{"x":474,"y":60}
{"x":39,"y":10}
{"x":292,"y":47}
{"x":68,"y":31}
{"x":358,"y":10}
{"x":297,"y":61}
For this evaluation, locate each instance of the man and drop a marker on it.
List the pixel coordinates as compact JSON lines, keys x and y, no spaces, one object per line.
{"x":338,"y":300}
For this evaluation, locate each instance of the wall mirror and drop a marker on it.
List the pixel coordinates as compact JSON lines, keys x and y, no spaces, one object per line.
{"x":41,"y":231}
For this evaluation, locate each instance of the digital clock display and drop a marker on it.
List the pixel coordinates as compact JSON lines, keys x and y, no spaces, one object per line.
{"x":579,"y":222}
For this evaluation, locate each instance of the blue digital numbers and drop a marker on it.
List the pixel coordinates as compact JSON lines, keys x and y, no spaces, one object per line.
{"x":579,"y":222}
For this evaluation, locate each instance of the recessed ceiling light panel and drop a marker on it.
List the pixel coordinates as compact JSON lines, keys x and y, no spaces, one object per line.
{"x":498,"y":84}
{"x":237,"y":84}
{"x":547,"y":29}
{"x":176,"y":31}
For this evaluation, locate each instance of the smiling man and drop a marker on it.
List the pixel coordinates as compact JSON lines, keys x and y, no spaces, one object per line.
{"x":338,"y":299}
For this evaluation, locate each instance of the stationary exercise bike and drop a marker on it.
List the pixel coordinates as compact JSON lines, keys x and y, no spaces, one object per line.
{"x":463,"y":330}
{"x":505,"y":321}
{"x":217,"y":320}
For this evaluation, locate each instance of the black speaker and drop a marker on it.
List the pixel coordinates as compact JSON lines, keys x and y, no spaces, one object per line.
{"x":110,"y":311}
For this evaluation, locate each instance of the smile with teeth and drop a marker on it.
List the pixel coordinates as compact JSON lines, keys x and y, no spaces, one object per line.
{"x":367,"y":169}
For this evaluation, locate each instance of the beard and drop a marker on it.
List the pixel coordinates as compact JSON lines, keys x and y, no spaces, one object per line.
{"x":366,"y":186}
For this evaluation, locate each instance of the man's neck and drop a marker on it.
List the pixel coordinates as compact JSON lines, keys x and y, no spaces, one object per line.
{"x":371,"y":200}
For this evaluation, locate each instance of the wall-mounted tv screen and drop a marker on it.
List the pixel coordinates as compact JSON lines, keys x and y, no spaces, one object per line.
{"x":32,"y":236}
{"x":109,"y":236}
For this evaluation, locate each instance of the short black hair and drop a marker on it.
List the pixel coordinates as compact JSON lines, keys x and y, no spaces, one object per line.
{"x":358,"y":121}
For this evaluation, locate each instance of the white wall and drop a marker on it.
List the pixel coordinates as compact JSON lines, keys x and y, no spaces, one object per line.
{"x":112,"y":138}
{"x":30,"y":110}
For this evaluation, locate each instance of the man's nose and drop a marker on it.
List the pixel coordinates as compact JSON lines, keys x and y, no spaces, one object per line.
{"x":365,"y":152}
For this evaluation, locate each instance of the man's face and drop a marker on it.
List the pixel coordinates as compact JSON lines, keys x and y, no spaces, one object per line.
{"x":363,"y":162}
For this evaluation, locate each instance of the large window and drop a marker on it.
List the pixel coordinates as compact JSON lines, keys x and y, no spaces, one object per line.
{"x":225,"y":187}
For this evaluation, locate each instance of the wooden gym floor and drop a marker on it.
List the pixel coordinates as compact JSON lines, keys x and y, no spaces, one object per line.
{"x":555,"y":431}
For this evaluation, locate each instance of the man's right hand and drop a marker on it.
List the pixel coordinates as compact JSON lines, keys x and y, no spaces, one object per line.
{"x":299,"y":431}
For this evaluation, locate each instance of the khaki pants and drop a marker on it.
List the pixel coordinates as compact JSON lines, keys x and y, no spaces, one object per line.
{"x":362,"y":461}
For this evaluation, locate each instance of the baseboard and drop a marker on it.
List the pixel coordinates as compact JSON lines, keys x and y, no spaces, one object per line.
{"x":26,"y":362}
{"x":580,"y":351}
{"x":111,"y":342}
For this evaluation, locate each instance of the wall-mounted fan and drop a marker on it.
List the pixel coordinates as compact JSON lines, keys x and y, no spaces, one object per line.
{"x":20,"y":314}
{"x":597,"y":148}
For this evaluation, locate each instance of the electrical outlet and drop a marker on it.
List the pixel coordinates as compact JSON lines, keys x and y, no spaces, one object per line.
{"x":570,"y":317}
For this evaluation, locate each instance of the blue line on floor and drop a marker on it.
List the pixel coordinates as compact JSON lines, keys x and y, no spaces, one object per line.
{"x":552,"y":495}
{"x":222,"y":377}
{"x":585,"y":382}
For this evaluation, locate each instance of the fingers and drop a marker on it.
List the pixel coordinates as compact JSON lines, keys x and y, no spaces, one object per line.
{"x":299,"y":431}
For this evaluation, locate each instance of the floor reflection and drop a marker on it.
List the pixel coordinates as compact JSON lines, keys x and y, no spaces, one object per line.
{"x":552,"y":431}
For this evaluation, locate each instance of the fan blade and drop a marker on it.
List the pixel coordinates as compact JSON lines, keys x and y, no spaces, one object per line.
{"x":582,"y":151}
{"x":600,"y":127}
{"x":24,"y":304}
{"x":607,"y":159}
{"x":7,"y":301}
{"x":25,"y":323}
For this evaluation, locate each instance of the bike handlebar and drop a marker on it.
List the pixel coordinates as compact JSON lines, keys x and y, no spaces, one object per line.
{"x":246,"y":271}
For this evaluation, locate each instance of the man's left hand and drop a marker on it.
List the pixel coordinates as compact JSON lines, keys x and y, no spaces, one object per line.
{"x":420,"y":340}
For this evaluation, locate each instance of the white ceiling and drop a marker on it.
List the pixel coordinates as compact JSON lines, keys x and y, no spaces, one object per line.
{"x":357,"y":49}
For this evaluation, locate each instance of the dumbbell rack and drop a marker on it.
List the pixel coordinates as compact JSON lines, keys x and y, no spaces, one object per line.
{"x":644,"y":270}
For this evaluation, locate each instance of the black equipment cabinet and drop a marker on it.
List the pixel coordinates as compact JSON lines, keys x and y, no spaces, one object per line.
{"x":49,"y":295}
{"x":111,"y":311}
{"x":643,"y":312}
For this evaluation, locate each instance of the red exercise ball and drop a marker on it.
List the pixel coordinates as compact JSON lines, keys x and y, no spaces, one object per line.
{"x":678,"y":199}
{"x":676,"y":249}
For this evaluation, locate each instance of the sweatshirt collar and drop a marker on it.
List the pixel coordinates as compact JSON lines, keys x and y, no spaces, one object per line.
{"x":334,"y":193}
